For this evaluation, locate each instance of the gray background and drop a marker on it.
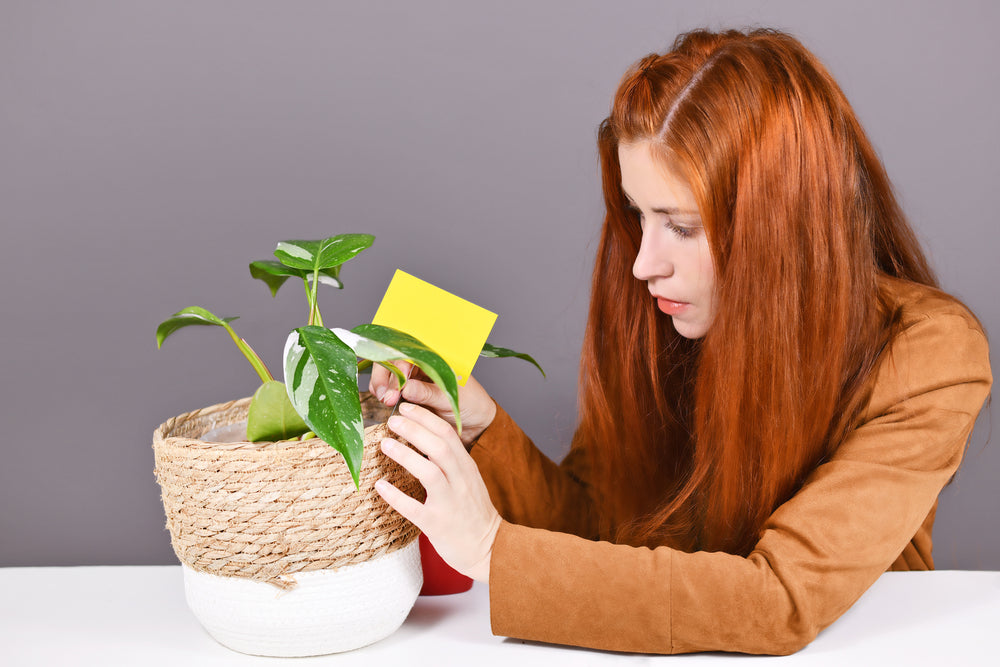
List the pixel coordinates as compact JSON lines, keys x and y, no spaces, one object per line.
{"x":149,"y":150}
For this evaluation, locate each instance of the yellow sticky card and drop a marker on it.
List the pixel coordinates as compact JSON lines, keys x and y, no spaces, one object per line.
{"x":451,"y":326}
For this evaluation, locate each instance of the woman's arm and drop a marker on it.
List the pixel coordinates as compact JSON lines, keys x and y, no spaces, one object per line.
{"x":818,"y":553}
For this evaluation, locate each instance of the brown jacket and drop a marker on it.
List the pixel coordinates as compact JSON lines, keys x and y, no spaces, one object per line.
{"x":869,"y":509}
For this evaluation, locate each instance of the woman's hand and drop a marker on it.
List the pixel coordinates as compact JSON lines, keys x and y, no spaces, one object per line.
{"x":476,"y":407}
{"x":458,"y":517}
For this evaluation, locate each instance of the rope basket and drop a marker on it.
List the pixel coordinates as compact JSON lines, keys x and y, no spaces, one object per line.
{"x":265,"y":511}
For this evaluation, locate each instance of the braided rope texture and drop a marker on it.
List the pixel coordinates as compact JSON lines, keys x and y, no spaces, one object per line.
{"x":266,"y":510}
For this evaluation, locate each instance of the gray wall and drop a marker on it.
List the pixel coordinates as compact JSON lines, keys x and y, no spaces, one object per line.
{"x":149,"y":150}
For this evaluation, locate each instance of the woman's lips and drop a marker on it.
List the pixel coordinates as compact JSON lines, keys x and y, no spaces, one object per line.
{"x":671,"y":307}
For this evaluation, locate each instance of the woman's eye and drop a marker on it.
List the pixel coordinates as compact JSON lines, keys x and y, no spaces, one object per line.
{"x":683,"y":231}
{"x":680,"y":231}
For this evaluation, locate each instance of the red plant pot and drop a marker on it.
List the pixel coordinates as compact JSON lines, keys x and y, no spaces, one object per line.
{"x":439,"y":577}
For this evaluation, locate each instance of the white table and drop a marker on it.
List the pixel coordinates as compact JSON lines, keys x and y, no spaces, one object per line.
{"x":138,"y":616}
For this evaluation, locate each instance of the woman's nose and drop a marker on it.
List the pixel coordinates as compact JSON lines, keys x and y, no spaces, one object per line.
{"x":652,"y":260}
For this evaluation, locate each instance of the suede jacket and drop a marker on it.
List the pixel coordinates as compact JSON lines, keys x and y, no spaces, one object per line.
{"x":868,"y":509}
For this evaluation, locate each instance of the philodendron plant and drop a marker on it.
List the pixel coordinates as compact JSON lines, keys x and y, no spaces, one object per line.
{"x":319,"y":396}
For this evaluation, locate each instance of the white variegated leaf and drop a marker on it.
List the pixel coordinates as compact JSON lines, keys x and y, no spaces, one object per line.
{"x":321,"y":379}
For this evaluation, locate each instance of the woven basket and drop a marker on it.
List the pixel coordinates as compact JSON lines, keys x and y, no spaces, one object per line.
{"x":277,"y":544}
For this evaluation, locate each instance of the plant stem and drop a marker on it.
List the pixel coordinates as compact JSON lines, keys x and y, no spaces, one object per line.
{"x":314,"y":316}
{"x":251,"y":355}
{"x":305,"y":283}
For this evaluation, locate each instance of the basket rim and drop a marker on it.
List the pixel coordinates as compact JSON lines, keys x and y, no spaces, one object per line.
{"x":161,"y":433}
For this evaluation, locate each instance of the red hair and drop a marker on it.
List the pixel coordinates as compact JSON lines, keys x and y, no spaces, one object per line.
{"x":700,"y":441}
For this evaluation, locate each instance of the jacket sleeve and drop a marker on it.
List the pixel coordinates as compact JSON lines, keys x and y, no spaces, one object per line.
{"x":817,"y":554}
{"x":527,"y":487}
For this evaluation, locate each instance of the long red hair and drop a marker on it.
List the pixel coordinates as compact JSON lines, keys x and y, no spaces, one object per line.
{"x":698,"y":442}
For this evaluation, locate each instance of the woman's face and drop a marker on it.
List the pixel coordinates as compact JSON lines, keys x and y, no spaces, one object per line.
{"x":674,"y":258}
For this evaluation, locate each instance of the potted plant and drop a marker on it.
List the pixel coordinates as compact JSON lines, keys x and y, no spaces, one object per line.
{"x":285,"y":546}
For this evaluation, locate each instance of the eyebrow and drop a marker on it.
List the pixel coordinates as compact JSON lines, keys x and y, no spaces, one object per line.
{"x":670,"y":210}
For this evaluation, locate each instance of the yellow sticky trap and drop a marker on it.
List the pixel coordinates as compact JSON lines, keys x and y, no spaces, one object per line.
{"x":451,"y":326}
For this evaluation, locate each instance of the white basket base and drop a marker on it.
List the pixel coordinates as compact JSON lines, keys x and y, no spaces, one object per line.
{"x":327,"y":612}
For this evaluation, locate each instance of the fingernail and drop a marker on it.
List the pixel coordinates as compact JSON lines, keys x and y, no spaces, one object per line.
{"x":387,"y":445}
{"x":394,"y":421}
{"x":379,"y":393}
{"x":381,"y":485}
{"x":406,"y":407}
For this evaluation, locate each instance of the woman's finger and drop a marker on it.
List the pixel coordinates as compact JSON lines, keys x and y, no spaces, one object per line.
{"x":426,"y":471}
{"x":431,"y":421}
{"x":424,"y":441}
{"x":444,"y":449}
{"x":383,"y":383}
{"x":411,"y":509}
{"x":379,"y":381}
{"x":427,"y":393}
{"x":444,"y":430}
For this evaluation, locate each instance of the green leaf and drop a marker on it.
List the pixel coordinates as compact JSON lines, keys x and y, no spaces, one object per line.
{"x":324,"y":254}
{"x":493,"y":351}
{"x":192,"y":316}
{"x":195,"y":315}
{"x":274,"y":274}
{"x":394,"y":369}
{"x":321,"y":379}
{"x":379,"y":343}
{"x":271,"y":416}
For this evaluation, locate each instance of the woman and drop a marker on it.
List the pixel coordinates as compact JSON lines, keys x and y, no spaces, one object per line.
{"x":774,"y":391}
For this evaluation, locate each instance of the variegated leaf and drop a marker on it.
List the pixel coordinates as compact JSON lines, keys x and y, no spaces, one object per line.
{"x":380,"y":343}
{"x":324,"y":254}
{"x":321,"y":379}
